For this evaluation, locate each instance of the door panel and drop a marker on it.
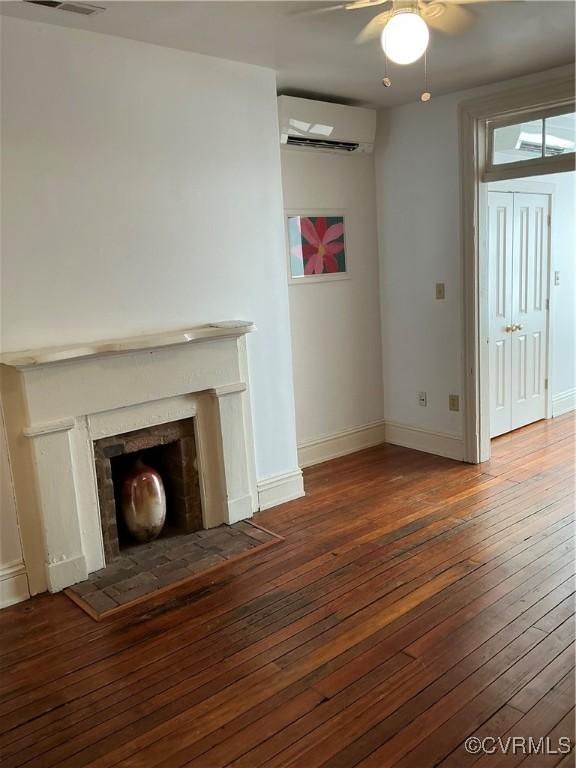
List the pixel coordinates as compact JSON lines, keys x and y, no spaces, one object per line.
{"x":528,"y":402}
{"x":518,"y":250}
{"x":500,"y":249}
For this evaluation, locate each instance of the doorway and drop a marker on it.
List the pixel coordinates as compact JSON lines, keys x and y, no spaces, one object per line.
{"x":523,"y":121}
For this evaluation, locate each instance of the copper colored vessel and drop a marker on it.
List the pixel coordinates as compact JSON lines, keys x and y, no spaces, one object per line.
{"x":143,"y":502}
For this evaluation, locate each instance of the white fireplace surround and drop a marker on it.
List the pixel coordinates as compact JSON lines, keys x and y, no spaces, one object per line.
{"x":58,"y":401}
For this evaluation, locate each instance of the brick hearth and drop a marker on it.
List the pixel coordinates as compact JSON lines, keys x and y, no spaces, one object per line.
{"x":148,"y":568}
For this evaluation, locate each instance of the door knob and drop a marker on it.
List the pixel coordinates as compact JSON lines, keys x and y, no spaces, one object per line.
{"x":517,"y":326}
{"x":510,"y":328}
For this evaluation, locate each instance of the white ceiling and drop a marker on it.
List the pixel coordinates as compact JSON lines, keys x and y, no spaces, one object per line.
{"x":316,"y":55}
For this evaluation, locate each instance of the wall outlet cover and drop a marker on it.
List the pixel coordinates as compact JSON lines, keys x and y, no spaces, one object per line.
{"x":440,"y":291}
{"x":454,"y":402}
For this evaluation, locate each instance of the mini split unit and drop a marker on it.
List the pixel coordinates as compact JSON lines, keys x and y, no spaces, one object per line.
{"x":321,"y":125}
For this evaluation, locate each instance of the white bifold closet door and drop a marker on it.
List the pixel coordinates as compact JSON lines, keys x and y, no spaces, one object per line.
{"x":518,"y":246}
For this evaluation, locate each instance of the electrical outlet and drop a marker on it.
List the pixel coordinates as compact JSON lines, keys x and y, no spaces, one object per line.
{"x":557,"y":277}
{"x":454,"y":402}
{"x":440,"y":291}
{"x":422,"y":399}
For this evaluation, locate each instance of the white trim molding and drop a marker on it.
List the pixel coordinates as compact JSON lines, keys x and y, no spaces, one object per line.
{"x":280,"y":488}
{"x":328,"y":447}
{"x":564,"y":402}
{"x":357,"y":439}
{"x":13,"y":583}
{"x":551,"y":90}
{"x":64,"y":573}
{"x":439,"y":443}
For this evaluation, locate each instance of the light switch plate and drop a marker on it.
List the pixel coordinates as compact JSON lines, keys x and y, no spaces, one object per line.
{"x":454,"y":402}
{"x":440,"y":291}
{"x":557,"y":277}
{"x":422,"y":399}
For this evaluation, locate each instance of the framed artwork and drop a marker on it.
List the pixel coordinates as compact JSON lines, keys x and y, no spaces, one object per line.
{"x":316,"y":247}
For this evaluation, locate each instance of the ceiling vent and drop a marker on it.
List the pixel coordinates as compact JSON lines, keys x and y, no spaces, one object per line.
{"x":83,"y":9}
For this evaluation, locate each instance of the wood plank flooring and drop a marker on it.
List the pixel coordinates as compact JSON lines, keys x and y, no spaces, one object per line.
{"x":416,"y":602}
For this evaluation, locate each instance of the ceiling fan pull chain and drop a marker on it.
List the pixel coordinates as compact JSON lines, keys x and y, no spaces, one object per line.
{"x":426,"y":95}
{"x":386,"y":82}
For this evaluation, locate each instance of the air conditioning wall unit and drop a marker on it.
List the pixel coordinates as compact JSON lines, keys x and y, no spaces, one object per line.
{"x":320,"y":125}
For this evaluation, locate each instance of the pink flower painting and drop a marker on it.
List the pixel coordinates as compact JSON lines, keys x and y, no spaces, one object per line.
{"x":316,"y":245}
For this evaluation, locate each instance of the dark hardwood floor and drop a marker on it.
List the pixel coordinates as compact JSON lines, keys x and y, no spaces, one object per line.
{"x":416,"y":602}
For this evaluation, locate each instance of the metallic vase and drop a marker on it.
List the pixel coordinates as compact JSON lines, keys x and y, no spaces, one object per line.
{"x":143,"y":502}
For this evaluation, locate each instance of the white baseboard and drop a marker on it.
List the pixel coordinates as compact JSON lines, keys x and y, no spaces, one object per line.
{"x":438,"y":443}
{"x":564,"y":402}
{"x":357,"y":439}
{"x":280,"y":489}
{"x":329,"y":447}
{"x":13,"y":584}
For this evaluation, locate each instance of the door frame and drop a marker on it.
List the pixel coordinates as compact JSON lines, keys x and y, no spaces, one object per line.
{"x":473,"y":117}
{"x":534,"y":188}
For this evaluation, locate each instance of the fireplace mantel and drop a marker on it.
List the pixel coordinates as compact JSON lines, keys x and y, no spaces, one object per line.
{"x":58,"y":401}
{"x":44,"y":356}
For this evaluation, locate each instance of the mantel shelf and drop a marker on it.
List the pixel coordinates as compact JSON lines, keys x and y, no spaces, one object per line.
{"x":48,"y":355}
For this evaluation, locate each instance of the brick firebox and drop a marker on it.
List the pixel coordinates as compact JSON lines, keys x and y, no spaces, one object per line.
{"x":171,"y":450}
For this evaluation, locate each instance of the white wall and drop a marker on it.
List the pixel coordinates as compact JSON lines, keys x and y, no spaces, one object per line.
{"x":563,"y":296}
{"x":418,"y":197}
{"x":336,"y":342}
{"x":142,"y":192}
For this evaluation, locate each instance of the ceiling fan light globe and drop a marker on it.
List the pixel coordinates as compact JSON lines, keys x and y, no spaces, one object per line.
{"x":405,"y":37}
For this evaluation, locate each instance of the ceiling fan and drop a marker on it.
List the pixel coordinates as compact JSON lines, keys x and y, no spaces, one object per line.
{"x":403,"y":27}
{"x":448,"y":16}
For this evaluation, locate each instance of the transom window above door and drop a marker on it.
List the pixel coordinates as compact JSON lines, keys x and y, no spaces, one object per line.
{"x":537,"y":144}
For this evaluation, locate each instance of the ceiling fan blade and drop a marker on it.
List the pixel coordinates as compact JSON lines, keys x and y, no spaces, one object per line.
{"x":448,"y":17}
{"x":320,"y":11}
{"x":374,"y":27}
{"x":356,"y":4}
{"x":348,"y":6}
{"x":472,"y":2}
